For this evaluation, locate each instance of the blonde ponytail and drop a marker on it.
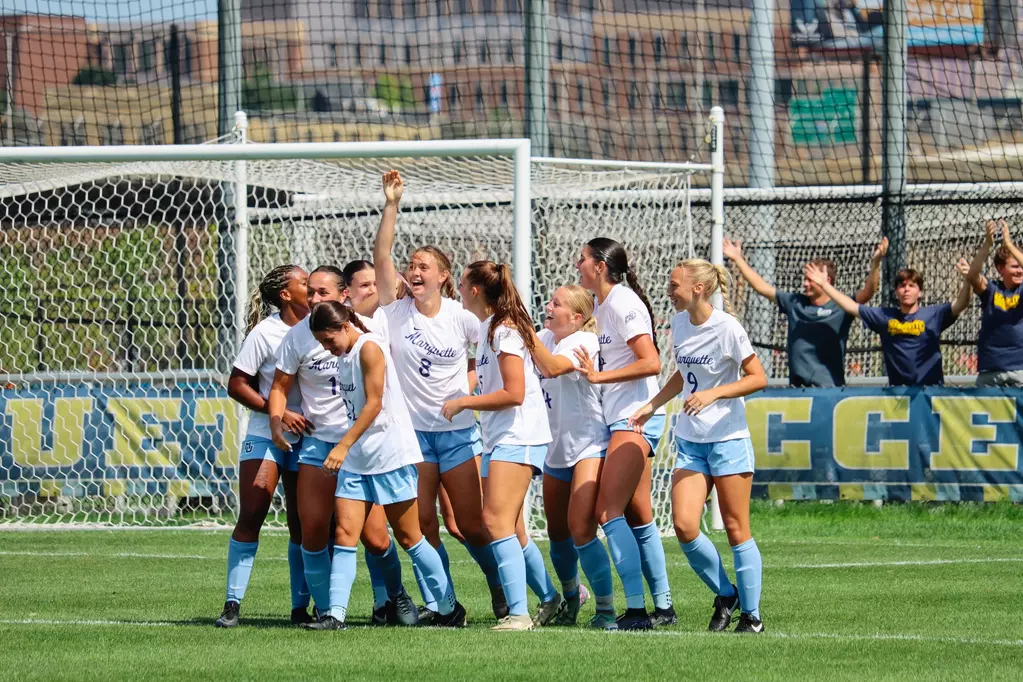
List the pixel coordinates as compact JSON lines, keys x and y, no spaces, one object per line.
{"x":712,"y":277}
{"x":724,"y":280}
{"x":580,"y":301}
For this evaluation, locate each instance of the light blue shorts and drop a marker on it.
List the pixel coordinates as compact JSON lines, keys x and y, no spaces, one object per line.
{"x":533,"y":455}
{"x":724,"y":458}
{"x":652,"y":430}
{"x":264,"y":448}
{"x":390,"y":487}
{"x":314,"y":451}
{"x":565,"y":473}
{"x":448,"y":449}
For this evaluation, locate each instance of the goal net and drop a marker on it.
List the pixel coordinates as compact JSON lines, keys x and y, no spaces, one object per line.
{"x":126,"y":271}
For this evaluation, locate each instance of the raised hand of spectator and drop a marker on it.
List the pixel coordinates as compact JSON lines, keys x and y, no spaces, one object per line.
{"x":732,"y":250}
{"x":963,"y":266}
{"x":1006,"y":235}
{"x":880,"y":251}
{"x":989,"y":233}
{"x":816,"y":274}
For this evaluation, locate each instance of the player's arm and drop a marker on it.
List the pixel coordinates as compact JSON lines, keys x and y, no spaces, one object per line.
{"x":733,"y":251}
{"x":549,"y":364}
{"x":241,"y":388}
{"x":513,"y":375}
{"x":383,"y":245}
{"x":471,"y":373}
{"x":671,"y":389}
{"x":962,"y":299}
{"x":646,"y":364}
{"x":819,"y":276}
{"x":373,"y":372}
{"x":873,"y":281}
{"x":754,"y":379}
{"x":281,"y":418}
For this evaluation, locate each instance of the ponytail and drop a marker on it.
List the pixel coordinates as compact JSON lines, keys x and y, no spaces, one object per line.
{"x":332,"y":316}
{"x":498,"y":290}
{"x":257,"y":311}
{"x":633,"y":282}
{"x":580,"y":301}
{"x":724,"y":278}
{"x":612,"y":254}
{"x":712,"y":277}
{"x":269,"y":293}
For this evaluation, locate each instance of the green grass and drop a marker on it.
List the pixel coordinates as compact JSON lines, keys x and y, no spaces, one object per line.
{"x":937,"y":595}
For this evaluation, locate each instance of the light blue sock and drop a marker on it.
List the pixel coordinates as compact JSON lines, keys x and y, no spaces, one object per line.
{"x":705,"y":560}
{"x":240,"y":557}
{"x":566,"y":565}
{"x":442,"y":552}
{"x":430,"y":564}
{"x":424,"y":589}
{"x":485,"y":558}
{"x":536,"y":572}
{"x":597,"y":567}
{"x":296,"y":574}
{"x":749,"y":570}
{"x":655,"y":566}
{"x":342,"y":575}
{"x":625,"y":553}
{"x":374,"y":564}
{"x":511,"y":566}
{"x":317,"y":576}
{"x":390,"y":569}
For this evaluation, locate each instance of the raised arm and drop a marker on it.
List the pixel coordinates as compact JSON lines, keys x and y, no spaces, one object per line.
{"x":870,"y":286}
{"x":387,"y":276}
{"x":819,"y":276}
{"x":1007,"y":241}
{"x":962,"y":299}
{"x":974,"y":275}
{"x":733,"y":252}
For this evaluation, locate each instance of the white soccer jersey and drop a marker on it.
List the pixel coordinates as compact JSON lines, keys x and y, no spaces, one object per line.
{"x":431,"y":356}
{"x":707,"y":356}
{"x":523,"y":425}
{"x":390,"y":442}
{"x":620,"y":318}
{"x":573,"y":404}
{"x":377,"y":324}
{"x":258,"y":358}
{"x":315,"y":369}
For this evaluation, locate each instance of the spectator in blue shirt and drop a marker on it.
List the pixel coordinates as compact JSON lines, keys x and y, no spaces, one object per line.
{"x":1000,"y":342}
{"x":817,"y":328}
{"x":910,"y":334}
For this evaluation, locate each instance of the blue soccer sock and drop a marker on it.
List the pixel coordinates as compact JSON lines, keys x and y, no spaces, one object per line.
{"x":749,"y":569}
{"x":390,"y":566}
{"x":485,"y":558}
{"x":654,"y":563}
{"x":566,"y":565}
{"x":431,"y":566}
{"x":342,"y":575}
{"x":240,"y":557}
{"x":296,"y":574}
{"x":625,"y":554}
{"x":597,"y":567}
{"x":705,"y":560}
{"x":511,"y":566}
{"x":317,"y":576}
{"x":442,"y":552}
{"x":376,"y":578}
{"x":536,"y":572}
{"x":428,"y":601}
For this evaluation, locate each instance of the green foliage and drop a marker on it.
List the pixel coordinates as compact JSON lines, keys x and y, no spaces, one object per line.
{"x":395,"y":93}
{"x":261,"y":93}
{"x":94,"y":75}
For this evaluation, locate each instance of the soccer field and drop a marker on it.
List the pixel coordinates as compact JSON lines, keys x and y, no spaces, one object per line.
{"x":850,"y":592}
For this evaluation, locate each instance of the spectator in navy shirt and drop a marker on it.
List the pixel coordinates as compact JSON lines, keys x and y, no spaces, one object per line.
{"x":817,"y":327}
{"x":1000,"y":342}
{"x":910,"y":334}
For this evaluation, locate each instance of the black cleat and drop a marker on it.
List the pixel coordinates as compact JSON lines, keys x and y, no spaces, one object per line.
{"x":498,"y":602}
{"x":749,"y":624}
{"x":404,"y":610}
{"x":662,"y":617}
{"x":724,"y":607}
{"x":634,"y":619}
{"x":426,"y":616}
{"x":229,"y":618}
{"x":300,"y":616}
{"x":326,"y":623}
{"x":455,"y":619}
{"x":382,"y":616}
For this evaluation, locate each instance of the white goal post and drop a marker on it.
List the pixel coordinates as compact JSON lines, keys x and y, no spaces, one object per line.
{"x":130,"y":268}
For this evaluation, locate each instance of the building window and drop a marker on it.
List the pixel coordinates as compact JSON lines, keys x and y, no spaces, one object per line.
{"x":657,"y":97}
{"x":683,"y":46}
{"x":658,"y":49}
{"x":484,"y":52}
{"x":452,"y":96}
{"x":408,"y":53}
{"x":147,"y":60}
{"x":554,"y":95}
{"x":96,"y":54}
{"x":487,"y":6}
{"x":332,"y":54}
{"x":122,"y":59}
{"x":737,"y":47}
{"x":559,"y":49}
{"x":730,"y":93}
{"x":362,"y":9}
{"x":634,"y":96}
{"x":579,"y":96}
{"x":509,"y":52}
{"x":382,"y":56}
{"x":479,"y":96}
{"x":411,"y":10}
{"x":677,"y":95}
{"x":504,"y":94}
{"x":710,"y":47}
{"x":458,"y":52}
{"x":464,"y":6}
{"x":564,"y":7}
{"x":591,"y":6}
{"x":513,"y":6}
{"x":442,"y":8}
{"x":782,"y":91}
{"x":607,"y":51}
{"x":708,"y":94}
{"x":605,"y":93}
{"x":385,"y":10}
{"x":358,"y":54}
{"x":632,"y":50}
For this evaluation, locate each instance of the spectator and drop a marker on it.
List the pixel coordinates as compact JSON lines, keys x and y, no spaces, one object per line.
{"x":1000,"y":342}
{"x":910,"y":334}
{"x":817,"y":327}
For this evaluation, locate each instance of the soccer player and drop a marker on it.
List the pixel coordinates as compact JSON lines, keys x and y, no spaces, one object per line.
{"x":302,"y":357}
{"x":571,"y":471}
{"x":374,"y":462}
{"x":431,"y":335}
{"x":910,"y":334}
{"x":817,"y":327}
{"x":262,"y":464}
{"x":1000,"y":342}
{"x":711,"y":437}
{"x":628,"y":368}
{"x":515,"y":436}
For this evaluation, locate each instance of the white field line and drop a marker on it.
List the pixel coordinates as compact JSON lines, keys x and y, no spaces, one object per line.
{"x":850,"y":637}
{"x":920,"y":562}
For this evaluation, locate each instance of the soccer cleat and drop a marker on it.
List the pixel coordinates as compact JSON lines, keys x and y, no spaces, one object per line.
{"x":426,"y":616}
{"x":604,"y":620}
{"x":498,"y":602}
{"x":300,"y":616}
{"x":724,"y":607}
{"x":749,"y":624}
{"x":327,"y":622}
{"x":455,"y":619}
{"x":634,"y":619}
{"x":509,"y":623}
{"x":570,"y":613}
{"x":403,"y":610}
{"x":382,"y":616}
{"x":549,"y":610}
{"x":661,"y":617}
{"x":229,"y":618}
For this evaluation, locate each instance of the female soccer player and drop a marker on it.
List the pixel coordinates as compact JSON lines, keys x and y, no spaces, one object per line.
{"x":571,"y":471}
{"x":262,"y":463}
{"x":629,"y":365}
{"x":712,"y":438}
{"x":374,"y":462}
{"x":515,"y":435}
{"x":301,"y":356}
{"x":431,"y":335}
{"x":1000,"y":341}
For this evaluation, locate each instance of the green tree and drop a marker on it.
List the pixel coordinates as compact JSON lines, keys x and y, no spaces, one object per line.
{"x":395,"y":94}
{"x":94,"y":75}
{"x":261,"y":93}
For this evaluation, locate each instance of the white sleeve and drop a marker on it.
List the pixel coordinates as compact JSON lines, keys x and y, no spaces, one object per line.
{"x":739,"y":346}
{"x":566,"y":349}
{"x":395,"y":312}
{"x":509,"y":341}
{"x":288,"y":360}
{"x":633,"y":320}
{"x":254,"y":351}
{"x":470,"y":325}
